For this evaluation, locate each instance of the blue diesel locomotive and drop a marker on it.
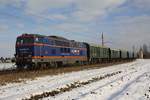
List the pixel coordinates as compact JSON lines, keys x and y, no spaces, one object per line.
{"x":34,"y":50}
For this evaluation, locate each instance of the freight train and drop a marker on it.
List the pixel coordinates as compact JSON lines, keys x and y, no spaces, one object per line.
{"x":34,"y":50}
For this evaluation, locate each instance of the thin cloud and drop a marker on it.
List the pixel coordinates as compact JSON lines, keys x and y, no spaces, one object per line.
{"x":124,"y":22}
{"x":3,"y":28}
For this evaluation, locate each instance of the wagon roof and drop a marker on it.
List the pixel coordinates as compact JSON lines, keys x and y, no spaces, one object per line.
{"x":115,"y":49}
{"x":95,"y":45}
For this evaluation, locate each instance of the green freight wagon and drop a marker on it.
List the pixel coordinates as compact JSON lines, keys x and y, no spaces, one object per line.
{"x":115,"y":54}
{"x":98,"y":53}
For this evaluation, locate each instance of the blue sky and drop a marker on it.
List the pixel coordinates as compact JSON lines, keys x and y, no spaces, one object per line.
{"x":124,"y":22}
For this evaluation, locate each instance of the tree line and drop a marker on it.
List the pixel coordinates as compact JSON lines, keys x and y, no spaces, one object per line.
{"x":7,"y":60}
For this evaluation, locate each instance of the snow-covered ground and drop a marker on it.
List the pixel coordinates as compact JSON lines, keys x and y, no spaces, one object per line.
{"x":4,"y":66}
{"x":133,"y":83}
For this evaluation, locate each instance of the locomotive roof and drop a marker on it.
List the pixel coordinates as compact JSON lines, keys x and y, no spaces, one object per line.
{"x":58,"y":37}
{"x":52,"y":37}
{"x":32,"y":35}
{"x":63,"y":39}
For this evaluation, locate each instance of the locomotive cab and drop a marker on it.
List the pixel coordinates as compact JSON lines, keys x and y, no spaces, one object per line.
{"x":24,"y":50}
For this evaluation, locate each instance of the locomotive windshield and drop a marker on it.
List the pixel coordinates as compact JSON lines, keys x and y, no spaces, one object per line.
{"x":23,"y":40}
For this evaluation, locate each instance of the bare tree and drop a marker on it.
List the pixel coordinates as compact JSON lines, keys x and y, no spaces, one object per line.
{"x":146,"y":51}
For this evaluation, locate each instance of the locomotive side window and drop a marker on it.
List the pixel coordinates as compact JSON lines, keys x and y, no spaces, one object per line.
{"x":65,"y":50}
{"x":68,"y":50}
{"x":61,"y":50}
{"x":58,"y":43}
{"x":46,"y":41}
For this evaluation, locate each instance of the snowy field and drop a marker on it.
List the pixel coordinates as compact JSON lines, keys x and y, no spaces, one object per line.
{"x":4,"y":66}
{"x":131,"y":83}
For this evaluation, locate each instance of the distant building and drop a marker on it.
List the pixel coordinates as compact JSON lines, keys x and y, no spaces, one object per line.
{"x":141,"y":55}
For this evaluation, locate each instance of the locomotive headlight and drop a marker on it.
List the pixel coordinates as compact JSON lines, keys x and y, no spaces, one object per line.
{"x":33,"y":60}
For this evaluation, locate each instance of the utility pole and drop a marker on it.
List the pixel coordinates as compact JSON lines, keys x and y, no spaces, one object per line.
{"x":102,"y":39}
